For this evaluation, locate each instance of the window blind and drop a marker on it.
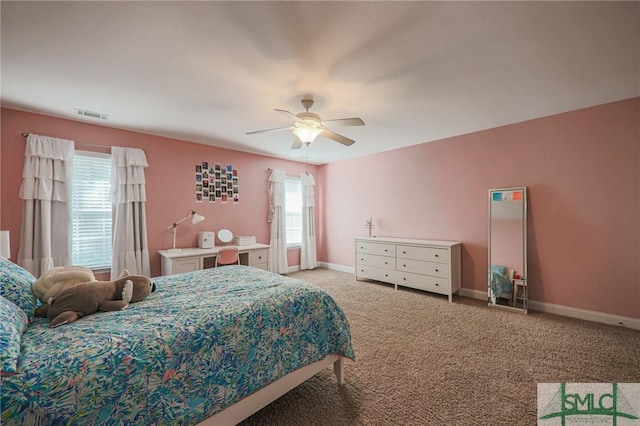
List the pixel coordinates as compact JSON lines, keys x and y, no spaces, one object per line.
{"x":293,"y":211}
{"x":91,"y":210}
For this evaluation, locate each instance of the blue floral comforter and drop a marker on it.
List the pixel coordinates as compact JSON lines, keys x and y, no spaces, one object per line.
{"x":201,"y":342}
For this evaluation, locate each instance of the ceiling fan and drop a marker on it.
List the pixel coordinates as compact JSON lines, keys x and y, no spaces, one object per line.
{"x":307,"y":126}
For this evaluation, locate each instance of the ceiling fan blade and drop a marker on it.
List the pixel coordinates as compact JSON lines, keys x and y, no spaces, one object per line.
{"x":297,"y":143}
{"x":355,"y":121}
{"x":288,"y":114}
{"x":338,"y":138}
{"x":268,"y":130}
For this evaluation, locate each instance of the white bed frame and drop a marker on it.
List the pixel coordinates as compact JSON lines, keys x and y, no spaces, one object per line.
{"x":242,"y":409}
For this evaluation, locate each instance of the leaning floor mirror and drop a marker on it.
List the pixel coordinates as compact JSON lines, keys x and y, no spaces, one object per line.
{"x":507,"y":281}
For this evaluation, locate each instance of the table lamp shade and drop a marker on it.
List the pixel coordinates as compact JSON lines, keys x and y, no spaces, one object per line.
{"x":196,"y":218}
{"x":5,"y":248}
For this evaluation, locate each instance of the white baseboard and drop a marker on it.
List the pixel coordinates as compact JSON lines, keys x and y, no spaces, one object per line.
{"x":336,"y":267}
{"x":324,"y":265}
{"x":294,"y":268}
{"x":474,"y":294}
{"x":566,"y":311}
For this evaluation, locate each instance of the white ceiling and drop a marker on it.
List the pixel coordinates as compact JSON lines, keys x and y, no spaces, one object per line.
{"x":415,"y":72}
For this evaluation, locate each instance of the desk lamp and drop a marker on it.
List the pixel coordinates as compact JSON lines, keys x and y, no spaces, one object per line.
{"x":195,"y":218}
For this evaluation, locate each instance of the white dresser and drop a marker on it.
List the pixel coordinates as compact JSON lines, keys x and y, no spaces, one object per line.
{"x":430,"y":265}
{"x":194,"y":259}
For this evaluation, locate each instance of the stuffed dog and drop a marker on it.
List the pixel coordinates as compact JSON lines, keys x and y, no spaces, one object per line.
{"x":85,"y":299}
{"x":52,"y":282}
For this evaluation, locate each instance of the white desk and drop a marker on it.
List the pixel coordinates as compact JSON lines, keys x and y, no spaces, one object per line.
{"x":194,"y":259}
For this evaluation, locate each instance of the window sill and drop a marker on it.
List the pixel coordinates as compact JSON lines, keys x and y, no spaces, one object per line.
{"x":293,"y":247}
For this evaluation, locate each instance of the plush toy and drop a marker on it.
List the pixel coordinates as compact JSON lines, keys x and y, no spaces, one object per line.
{"x":55,"y":281}
{"x":84,"y":299}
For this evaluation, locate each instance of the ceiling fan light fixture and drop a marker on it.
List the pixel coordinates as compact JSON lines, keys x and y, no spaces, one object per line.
{"x":307,"y":134}
{"x":308,"y":125}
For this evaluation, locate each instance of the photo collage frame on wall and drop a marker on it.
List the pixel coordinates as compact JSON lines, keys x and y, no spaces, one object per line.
{"x":217,"y":183}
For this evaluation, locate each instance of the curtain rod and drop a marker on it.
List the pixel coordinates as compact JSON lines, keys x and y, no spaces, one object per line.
{"x":288,"y":173}
{"x":87,"y":143}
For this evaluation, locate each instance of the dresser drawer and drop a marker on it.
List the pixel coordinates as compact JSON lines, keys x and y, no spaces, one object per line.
{"x":187,"y":264}
{"x":374,"y":260}
{"x":424,"y":282}
{"x":378,"y":274}
{"x":431,"y":254}
{"x":257,"y":257}
{"x":425,"y":268}
{"x":380,"y":249}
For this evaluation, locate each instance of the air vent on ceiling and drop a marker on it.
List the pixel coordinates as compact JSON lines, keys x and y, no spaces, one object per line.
{"x":91,"y":114}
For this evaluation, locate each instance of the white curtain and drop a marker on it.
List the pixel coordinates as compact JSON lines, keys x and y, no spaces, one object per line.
{"x":278,"y":250}
{"x":130,"y":246}
{"x":46,"y":211}
{"x":308,"y":259}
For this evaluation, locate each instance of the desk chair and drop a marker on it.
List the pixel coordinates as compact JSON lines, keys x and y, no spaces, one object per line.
{"x":227,"y":256}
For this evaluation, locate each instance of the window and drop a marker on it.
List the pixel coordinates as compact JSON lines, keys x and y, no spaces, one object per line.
{"x":91,"y":210}
{"x":293,"y":211}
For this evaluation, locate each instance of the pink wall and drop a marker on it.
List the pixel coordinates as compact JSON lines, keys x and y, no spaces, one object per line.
{"x":170,"y":180}
{"x":582,"y":170}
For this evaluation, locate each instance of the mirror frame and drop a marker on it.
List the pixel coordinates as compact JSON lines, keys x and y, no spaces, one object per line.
{"x":225,"y":236}
{"x":524,"y":276}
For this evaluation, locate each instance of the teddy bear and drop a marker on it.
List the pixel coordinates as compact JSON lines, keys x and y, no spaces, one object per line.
{"x":52,"y":282}
{"x":87,"y":298}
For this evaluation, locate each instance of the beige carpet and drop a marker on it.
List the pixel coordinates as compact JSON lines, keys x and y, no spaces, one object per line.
{"x":424,"y":361}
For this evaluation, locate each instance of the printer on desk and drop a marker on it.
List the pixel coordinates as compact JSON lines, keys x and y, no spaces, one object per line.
{"x":206,"y":239}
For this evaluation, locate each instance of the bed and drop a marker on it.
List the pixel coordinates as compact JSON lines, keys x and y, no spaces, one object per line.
{"x":207,"y":347}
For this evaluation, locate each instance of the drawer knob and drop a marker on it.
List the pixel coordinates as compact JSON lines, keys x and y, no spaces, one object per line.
{"x":404,"y":266}
{"x":404,"y":279}
{"x":404,"y":252}
{"x":386,"y":250}
{"x":386,"y":275}
{"x":437,"y":284}
{"x":436,"y":270}
{"x":436,"y":255}
{"x":259,"y":257}
{"x":386,"y":263}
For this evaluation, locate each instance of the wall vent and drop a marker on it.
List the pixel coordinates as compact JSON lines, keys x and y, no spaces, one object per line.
{"x":91,"y":114}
